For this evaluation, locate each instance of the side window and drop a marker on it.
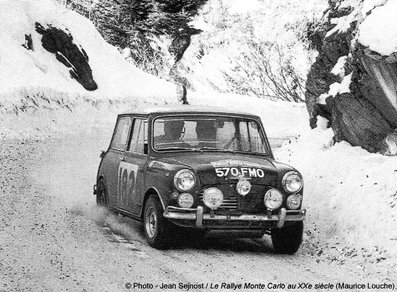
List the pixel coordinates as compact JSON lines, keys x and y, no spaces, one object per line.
{"x":256,"y":138}
{"x":244,"y":137}
{"x":139,"y":136}
{"x":120,"y":136}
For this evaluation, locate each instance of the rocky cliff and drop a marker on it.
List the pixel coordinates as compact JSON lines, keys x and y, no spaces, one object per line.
{"x":354,"y":78}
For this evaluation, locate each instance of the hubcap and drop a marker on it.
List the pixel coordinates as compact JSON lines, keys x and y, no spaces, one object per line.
{"x":151,"y":222}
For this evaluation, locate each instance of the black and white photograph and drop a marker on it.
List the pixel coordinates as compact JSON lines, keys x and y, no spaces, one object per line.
{"x":198,"y":145}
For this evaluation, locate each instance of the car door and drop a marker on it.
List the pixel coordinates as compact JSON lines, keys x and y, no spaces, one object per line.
{"x":132,"y":169}
{"x":114,"y":156}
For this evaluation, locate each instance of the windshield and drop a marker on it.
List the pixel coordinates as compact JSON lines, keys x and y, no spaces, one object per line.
{"x":208,"y":133}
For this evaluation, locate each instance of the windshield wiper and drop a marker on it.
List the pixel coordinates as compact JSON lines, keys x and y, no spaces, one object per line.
{"x":174,"y":148}
{"x":207,"y":148}
{"x":201,"y":149}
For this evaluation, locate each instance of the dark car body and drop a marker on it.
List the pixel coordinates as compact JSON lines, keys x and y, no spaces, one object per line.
{"x":132,"y":172}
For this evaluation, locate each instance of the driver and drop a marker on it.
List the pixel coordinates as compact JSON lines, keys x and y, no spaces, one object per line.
{"x":173,"y":130}
{"x":206,"y":133}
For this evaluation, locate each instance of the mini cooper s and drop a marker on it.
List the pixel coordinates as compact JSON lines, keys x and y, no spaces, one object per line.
{"x":200,"y":169}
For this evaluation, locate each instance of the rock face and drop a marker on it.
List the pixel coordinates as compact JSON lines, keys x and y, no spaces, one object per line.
{"x":61,"y":44}
{"x":363,"y":115}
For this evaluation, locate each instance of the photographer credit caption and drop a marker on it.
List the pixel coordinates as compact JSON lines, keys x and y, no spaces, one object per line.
{"x":264,"y":286}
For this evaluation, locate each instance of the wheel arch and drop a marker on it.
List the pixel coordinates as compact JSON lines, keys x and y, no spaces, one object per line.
{"x":149,"y":192}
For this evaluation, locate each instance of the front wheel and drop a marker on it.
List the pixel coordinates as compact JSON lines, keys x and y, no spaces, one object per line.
{"x":287,"y":240}
{"x":157,"y":228}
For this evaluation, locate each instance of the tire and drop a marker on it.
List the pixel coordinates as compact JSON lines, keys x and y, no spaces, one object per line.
{"x":157,"y":228}
{"x":101,"y":195}
{"x":288,"y":239}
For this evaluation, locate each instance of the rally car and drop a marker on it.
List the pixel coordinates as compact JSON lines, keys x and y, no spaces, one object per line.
{"x":183,"y":167}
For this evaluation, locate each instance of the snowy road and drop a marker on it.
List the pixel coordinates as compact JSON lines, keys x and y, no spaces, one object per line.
{"x":53,"y":238}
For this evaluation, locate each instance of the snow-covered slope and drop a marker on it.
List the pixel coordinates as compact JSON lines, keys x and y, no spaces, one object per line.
{"x":38,"y":70}
{"x":42,"y":97}
{"x":350,"y":194}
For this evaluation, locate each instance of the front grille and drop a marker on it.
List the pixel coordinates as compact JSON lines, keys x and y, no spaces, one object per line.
{"x":233,"y":202}
{"x":229,"y":201}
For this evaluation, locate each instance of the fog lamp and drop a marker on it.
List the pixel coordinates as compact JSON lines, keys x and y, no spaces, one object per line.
{"x":273,"y":199}
{"x":294,"y":201}
{"x":213,"y":198}
{"x":185,"y":200}
{"x":243,"y":187}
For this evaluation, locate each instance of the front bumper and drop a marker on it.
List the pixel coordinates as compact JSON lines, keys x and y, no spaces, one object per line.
{"x":194,"y":217}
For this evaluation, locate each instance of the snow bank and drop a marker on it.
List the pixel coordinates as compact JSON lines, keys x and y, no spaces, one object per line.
{"x":37,"y":68}
{"x":376,"y":19}
{"x":37,"y":94}
{"x":350,"y":194}
{"x":379,"y":30}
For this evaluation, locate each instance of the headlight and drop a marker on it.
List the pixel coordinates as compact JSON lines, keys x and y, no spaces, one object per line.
{"x":243,"y":187}
{"x":184,"y":180}
{"x":185,"y":200}
{"x":273,"y":199}
{"x":292,"y":182}
{"x":213,"y":198}
{"x":294,"y":201}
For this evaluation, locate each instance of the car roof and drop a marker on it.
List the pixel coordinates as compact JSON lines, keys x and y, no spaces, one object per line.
{"x":184,"y":108}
